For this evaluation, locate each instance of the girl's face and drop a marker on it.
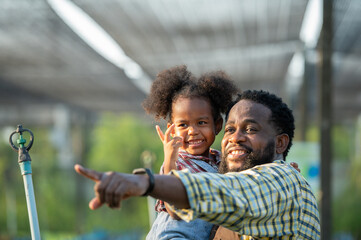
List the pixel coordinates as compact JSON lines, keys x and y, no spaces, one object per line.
{"x":194,"y":122}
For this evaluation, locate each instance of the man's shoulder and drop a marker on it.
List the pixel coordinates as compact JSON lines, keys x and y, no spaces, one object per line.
{"x":278,"y":167}
{"x":278,"y":170}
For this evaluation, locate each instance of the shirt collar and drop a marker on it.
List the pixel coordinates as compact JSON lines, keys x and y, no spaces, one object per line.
{"x":279,"y":161}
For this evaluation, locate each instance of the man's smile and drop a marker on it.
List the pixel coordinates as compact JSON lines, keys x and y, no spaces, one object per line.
{"x":238,"y":153}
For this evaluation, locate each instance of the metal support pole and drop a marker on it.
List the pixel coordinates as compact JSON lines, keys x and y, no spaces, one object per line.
{"x":326,"y":120}
{"x":303,"y":103}
{"x":30,"y":201}
{"x":25,"y":167}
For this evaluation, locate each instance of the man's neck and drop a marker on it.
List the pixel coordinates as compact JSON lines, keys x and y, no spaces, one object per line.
{"x":278,"y":156}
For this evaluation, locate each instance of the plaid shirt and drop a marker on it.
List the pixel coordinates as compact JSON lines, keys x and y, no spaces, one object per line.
{"x":271,"y":201}
{"x":195,"y":164}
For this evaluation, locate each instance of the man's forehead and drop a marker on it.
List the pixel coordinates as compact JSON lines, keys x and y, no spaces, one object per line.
{"x":248,"y":109}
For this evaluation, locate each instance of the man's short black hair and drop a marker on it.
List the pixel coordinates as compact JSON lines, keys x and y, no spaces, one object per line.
{"x":281,"y":116}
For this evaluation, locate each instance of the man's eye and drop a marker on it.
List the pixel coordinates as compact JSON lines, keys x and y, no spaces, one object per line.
{"x":251,"y":130}
{"x":229,"y":130}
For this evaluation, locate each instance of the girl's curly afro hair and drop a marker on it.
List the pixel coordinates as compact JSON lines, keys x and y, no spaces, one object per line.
{"x":177,"y":82}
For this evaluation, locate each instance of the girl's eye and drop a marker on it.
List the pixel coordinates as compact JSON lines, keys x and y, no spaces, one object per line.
{"x":182,"y":125}
{"x":202,"y":122}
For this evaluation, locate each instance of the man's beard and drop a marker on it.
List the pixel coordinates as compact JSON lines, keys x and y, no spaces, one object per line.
{"x":254,"y":158}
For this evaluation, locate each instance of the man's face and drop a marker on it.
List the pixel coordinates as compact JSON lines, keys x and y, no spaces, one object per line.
{"x":249,"y":137}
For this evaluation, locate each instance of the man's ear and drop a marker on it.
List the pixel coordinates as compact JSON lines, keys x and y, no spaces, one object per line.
{"x":219,"y":125}
{"x":282,"y":142}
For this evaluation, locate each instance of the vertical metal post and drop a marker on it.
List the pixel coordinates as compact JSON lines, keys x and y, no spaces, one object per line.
{"x":326,"y":120}
{"x":30,"y":201}
{"x":303,"y":103}
{"x":25,"y":167}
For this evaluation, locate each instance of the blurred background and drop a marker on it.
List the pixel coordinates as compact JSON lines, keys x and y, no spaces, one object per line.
{"x":75,"y":72}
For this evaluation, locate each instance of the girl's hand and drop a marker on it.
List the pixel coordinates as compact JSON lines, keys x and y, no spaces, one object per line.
{"x":295,"y":166}
{"x":171,"y":147}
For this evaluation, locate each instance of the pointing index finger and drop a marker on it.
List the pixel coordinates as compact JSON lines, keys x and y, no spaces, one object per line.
{"x":88,"y":173}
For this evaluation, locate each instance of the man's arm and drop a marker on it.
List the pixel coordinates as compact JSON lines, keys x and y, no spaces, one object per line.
{"x":112,"y":187}
{"x":268,"y":200}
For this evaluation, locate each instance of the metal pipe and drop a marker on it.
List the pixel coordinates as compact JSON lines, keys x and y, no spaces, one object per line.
{"x":25,"y":167}
{"x":30,"y":201}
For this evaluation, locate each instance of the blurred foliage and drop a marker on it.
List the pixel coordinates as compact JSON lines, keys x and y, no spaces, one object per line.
{"x":217,"y":143}
{"x":15,"y":217}
{"x":341,"y":142}
{"x":115,"y":143}
{"x":118,"y":141}
{"x":347,"y":211}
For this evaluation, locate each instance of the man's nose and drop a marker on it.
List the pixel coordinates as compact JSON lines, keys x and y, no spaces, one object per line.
{"x":237,"y":136}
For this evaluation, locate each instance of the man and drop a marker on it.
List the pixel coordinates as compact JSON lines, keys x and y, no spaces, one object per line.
{"x":261,"y":196}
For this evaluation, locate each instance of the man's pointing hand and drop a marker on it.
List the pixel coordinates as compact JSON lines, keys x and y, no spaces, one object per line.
{"x":112,"y":187}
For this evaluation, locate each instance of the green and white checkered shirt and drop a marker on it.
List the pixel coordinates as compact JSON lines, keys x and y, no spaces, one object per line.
{"x":271,"y":201}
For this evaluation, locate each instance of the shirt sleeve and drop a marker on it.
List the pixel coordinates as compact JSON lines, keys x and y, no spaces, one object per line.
{"x":257,"y":202}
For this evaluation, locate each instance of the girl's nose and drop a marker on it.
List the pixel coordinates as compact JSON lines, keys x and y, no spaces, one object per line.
{"x":192,"y":130}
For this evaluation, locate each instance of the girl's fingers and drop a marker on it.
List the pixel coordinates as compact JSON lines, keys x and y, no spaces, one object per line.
{"x":160,"y":133}
{"x":177,"y":141}
{"x":295,"y":166}
{"x":167,"y":135}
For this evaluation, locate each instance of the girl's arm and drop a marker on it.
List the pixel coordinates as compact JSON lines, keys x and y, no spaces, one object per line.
{"x":171,"y":147}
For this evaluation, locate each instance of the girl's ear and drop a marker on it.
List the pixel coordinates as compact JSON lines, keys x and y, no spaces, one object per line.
{"x":219,"y":125}
{"x":282,"y":142}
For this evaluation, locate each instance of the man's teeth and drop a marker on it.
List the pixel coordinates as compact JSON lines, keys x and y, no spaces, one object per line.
{"x":238,"y":152}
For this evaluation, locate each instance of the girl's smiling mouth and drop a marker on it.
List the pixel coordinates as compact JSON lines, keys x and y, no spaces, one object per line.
{"x":195,"y":143}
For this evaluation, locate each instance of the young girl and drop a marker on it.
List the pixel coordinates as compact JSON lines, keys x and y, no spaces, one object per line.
{"x":193,"y":109}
